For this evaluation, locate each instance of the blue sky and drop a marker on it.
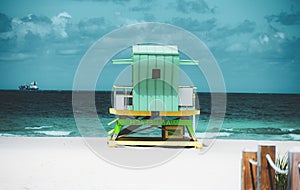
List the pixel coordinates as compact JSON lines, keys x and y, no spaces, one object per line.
{"x":256,"y":43}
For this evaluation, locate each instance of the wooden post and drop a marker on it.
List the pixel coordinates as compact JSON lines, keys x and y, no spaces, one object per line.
{"x":249,"y":171}
{"x":265,"y":173}
{"x":294,"y":176}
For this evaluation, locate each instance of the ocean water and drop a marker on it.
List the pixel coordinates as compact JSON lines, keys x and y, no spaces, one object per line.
{"x":50,"y":114}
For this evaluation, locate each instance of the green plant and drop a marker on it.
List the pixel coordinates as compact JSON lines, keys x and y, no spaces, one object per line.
{"x":281,"y":179}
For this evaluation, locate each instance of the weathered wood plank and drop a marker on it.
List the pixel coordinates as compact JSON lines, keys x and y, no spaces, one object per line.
{"x":265,"y":173}
{"x":249,"y":171}
{"x":294,"y":176}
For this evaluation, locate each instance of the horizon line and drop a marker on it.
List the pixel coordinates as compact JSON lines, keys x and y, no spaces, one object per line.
{"x":227,"y":92}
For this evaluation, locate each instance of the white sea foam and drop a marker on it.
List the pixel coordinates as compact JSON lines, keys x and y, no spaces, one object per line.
{"x":55,"y":133}
{"x":8,"y":135}
{"x":212,"y":135}
{"x":295,"y":137}
{"x":40,"y":127}
{"x":287,"y":129}
{"x":227,"y":129}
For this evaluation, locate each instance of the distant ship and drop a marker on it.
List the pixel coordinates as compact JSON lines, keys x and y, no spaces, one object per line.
{"x":32,"y":86}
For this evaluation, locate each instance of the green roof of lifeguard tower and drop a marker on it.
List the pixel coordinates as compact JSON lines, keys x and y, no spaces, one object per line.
{"x":154,"y":50}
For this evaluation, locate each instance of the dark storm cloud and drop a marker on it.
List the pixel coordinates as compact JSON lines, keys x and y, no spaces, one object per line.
{"x":193,"y":24}
{"x":32,"y":43}
{"x":5,"y":23}
{"x":289,"y":51}
{"x":5,"y":27}
{"x":245,"y":27}
{"x":273,"y":51}
{"x":197,"y":6}
{"x":284,"y":18}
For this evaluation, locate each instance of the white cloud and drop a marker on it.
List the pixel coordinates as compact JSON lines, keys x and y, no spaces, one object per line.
{"x":280,"y":35}
{"x":59,"y":24}
{"x":264,"y":39}
{"x":20,"y":28}
{"x":64,"y":15}
{"x":15,"y":56}
{"x":68,"y":52}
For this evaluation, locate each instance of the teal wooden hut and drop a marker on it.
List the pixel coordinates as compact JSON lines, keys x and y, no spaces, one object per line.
{"x":154,"y":99}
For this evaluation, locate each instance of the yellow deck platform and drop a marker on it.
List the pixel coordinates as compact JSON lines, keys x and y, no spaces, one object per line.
{"x":158,"y":143}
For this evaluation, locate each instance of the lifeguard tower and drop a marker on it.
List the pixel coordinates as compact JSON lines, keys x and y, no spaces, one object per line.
{"x":154,"y":100}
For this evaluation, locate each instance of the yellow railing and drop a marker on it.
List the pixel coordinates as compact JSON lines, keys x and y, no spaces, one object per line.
{"x":123,"y":98}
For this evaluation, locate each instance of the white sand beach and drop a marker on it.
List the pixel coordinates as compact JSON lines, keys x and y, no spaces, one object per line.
{"x":68,"y":163}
